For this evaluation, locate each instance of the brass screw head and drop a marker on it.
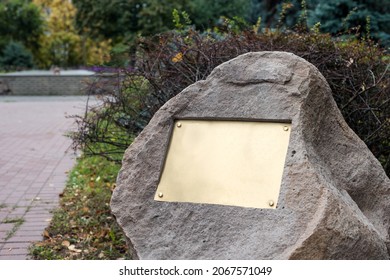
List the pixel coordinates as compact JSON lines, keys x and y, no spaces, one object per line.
{"x":160,"y":194}
{"x":178,"y":125}
{"x":271,"y":203}
{"x":285,"y":128}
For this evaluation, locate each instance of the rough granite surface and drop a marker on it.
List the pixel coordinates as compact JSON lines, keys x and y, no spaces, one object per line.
{"x":334,"y":199}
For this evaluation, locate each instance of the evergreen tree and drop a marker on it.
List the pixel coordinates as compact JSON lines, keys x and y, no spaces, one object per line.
{"x":16,"y":57}
{"x":371,"y":18}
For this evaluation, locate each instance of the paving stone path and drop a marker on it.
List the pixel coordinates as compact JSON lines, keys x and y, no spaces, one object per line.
{"x":35,"y":157}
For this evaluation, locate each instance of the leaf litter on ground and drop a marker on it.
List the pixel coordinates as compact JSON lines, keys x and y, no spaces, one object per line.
{"x":83,"y":226}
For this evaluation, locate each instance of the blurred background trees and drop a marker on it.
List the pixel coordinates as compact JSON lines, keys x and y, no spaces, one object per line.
{"x":62,"y":43}
{"x":71,"y":33}
{"x":21,"y":26}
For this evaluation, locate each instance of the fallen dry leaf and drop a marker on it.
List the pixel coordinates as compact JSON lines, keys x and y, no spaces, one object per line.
{"x":46,"y":234}
{"x":103,"y":233}
{"x":65,"y":243}
{"x":73,"y":249}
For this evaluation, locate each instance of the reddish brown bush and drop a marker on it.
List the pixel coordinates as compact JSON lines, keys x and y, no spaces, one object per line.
{"x":356,"y":70}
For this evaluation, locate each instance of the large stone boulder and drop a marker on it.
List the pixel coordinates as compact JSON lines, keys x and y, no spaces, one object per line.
{"x":334,"y":200}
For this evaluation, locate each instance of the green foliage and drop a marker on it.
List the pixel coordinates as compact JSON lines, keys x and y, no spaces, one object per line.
{"x":336,"y":17}
{"x":110,"y":19}
{"x":156,"y":16}
{"x":20,"y":21}
{"x":124,"y":19}
{"x":120,"y":55}
{"x":206,"y":14}
{"x":181,"y":21}
{"x":96,"y":26}
{"x":285,"y":9}
{"x":256,"y":27}
{"x":62,"y":44}
{"x":302,"y":20}
{"x":16,"y":57}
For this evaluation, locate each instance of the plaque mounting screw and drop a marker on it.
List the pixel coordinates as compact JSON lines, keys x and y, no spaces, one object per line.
{"x":285,"y":128}
{"x":178,"y":124}
{"x":271,"y":203}
{"x":160,"y":194}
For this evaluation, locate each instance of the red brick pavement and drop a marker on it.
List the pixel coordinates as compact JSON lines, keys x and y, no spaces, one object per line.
{"x":34,"y":159}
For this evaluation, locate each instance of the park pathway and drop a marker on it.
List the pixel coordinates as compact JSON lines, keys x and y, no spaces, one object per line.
{"x":34,"y":159}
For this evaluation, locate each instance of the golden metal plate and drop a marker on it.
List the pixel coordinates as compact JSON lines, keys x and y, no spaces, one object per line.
{"x":238,"y":163}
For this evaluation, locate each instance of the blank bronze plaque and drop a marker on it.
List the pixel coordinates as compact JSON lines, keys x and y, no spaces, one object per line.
{"x":237,"y":163}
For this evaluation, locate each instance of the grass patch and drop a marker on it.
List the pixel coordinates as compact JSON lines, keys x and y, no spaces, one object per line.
{"x":14,"y":220}
{"x":2,"y":205}
{"x":17,"y":223}
{"x":83,"y":227}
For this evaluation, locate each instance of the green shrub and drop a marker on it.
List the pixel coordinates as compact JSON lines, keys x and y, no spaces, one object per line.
{"x":16,"y":57}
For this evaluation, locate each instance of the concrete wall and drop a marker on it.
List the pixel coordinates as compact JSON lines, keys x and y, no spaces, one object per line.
{"x":43,"y":85}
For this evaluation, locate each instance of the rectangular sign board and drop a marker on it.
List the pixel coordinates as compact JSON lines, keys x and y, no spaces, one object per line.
{"x":237,"y":163}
